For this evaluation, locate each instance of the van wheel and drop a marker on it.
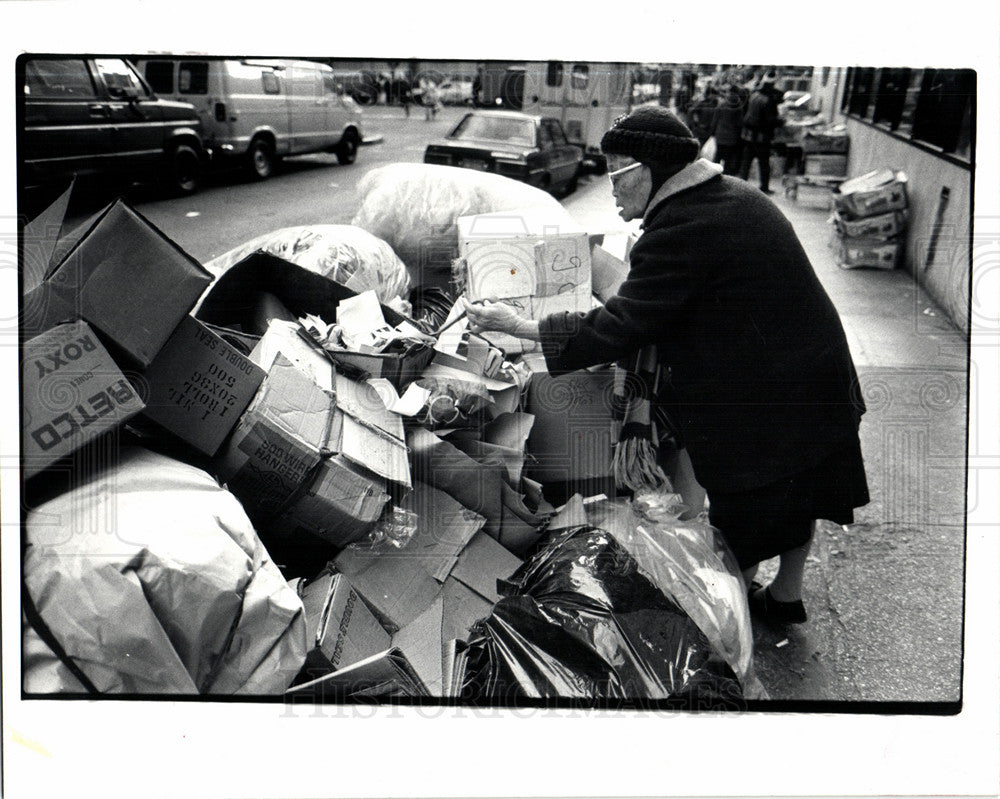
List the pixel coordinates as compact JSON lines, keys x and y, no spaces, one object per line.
{"x":347,"y":149}
{"x":260,"y":158}
{"x":183,"y":172}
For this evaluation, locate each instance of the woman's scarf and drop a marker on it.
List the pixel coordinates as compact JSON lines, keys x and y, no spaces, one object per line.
{"x":635,"y":466}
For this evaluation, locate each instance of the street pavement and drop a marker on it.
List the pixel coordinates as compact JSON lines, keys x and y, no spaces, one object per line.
{"x":885,"y":594}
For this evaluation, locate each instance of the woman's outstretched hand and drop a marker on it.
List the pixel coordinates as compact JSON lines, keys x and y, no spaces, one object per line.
{"x":500,"y":318}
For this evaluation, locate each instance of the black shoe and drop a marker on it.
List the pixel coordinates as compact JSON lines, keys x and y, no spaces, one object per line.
{"x":769,"y":609}
{"x":768,"y":191}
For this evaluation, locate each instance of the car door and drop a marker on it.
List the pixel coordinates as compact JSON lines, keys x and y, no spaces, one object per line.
{"x":67,"y":121}
{"x":136,"y":119}
{"x":564,"y":158}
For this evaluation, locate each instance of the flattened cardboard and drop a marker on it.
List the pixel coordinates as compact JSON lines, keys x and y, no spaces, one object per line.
{"x":198,"y":385}
{"x":399,"y":585}
{"x":482,"y":563}
{"x":126,"y":279}
{"x":572,"y":439}
{"x":463,"y":607}
{"x":73,"y":392}
{"x":607,"y":273}
{"x":502,"y":248}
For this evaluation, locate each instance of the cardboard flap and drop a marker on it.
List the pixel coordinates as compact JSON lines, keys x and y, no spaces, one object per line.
{"x":40,"y":237}
{"x":499,"y":269}
{"x":293,"y":401}
{"x":463,"y":607}
{"x":482,"y":563}
{"x":444,"y":527}
{"x":420,"y":643}
{"x":284,"y":337}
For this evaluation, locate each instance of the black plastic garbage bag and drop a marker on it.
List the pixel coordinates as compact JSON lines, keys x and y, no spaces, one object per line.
{"x":580,"y":621}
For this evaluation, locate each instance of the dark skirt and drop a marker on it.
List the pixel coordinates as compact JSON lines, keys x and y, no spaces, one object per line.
{"x":764,"y":522}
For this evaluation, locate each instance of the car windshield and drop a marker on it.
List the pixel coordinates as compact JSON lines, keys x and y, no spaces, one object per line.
{"x":505,"y":129}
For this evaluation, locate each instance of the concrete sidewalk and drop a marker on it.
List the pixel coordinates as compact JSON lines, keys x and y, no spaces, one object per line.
{"x":884,"y":594}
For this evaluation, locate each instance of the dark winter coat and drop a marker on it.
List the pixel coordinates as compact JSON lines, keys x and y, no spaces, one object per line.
{"x":727,"y":122}
{"x":762,"y":384}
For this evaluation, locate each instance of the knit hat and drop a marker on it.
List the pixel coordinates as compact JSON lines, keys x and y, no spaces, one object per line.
{"x":651,"y":134}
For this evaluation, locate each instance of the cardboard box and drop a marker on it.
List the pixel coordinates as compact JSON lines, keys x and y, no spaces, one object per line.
{"x":877,"y":253}
{"x":73,"y":392}
{"x":824,"y":141}
{"x":881,"y":226}
{"x":198,"y":385}
{"x":873,"y":193}
{"x":572,"y":441}
{"x":526,"y":252}
{"x":233,"y":299}
{"x":121,"y":275}
{"x":826,"y":165}
{"x":341,"y":629}
{"x":278,"y":462}
{"x":363,"y":430}
{"x":412,"y":666}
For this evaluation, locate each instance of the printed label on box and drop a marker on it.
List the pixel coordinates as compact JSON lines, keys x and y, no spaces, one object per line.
{"x":73,"y":392}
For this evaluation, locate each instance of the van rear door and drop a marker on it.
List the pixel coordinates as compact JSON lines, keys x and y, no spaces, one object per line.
{"x":309,"y":107}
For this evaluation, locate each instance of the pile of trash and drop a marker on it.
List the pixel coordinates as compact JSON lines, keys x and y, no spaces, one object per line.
{"x":870,"y":219}
{"x":265,"y":478}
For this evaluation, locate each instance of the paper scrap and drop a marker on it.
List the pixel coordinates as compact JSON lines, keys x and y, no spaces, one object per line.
{"x":410,"y":404}
{"x":360,"y":316}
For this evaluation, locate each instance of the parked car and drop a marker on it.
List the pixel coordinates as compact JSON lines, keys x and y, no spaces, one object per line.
{"x":97,"y":116}
{"x":529,"y":148}
{"x":259,"y":110}
{"x":455,"y":92}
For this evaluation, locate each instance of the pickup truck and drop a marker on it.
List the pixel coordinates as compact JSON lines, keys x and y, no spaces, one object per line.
{"x":85,"y":115}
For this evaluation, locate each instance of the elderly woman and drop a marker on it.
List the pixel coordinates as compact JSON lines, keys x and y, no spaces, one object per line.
{"x":761,"y":383}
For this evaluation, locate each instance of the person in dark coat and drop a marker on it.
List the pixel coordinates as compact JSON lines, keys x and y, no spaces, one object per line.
{"x":759,"y":124}
{"x":762,"y":386}
{"x":727,"y":127}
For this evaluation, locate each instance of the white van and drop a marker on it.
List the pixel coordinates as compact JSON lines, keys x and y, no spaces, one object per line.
{"x":262,"y":109}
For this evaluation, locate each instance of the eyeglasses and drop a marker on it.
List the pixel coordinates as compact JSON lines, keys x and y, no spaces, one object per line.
{"x":612,"y":176}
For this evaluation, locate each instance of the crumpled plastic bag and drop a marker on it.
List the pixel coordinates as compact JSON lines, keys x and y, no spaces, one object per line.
{"x":690,"y":563}
{"x":582,"y":621}
{"x":344,"y":253}
{"x":414,"y":207}
{"x":152,"y":579}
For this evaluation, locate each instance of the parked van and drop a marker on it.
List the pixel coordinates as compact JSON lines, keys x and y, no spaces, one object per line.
{"x":259,"y":110}
{"x":87,"y":115}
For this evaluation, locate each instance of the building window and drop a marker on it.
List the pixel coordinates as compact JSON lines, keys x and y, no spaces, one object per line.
{"x":930,"y":107}
{"x":554,"y":74}
{"x":580,"y":76}
{"x":942,"y":116}
{"x":891,"y":97}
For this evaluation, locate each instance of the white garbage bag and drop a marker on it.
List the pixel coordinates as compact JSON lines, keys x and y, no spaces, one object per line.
{"x":152,"y":580}
{"x":414,"y":207}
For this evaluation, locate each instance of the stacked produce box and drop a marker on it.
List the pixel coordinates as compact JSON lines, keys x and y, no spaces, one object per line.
{"x":870,"y":219}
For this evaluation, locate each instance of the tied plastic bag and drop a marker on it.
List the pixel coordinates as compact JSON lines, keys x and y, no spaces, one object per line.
{"x":690,"y":563}
{"x":414,"y":207}
{"x":344,"y":253}
{"x":151,"y":578}
{"x":582,"y":621}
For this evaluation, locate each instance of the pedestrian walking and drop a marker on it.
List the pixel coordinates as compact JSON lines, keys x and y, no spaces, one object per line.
{"x":756,"y":376}
{"x":759,"y":125}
